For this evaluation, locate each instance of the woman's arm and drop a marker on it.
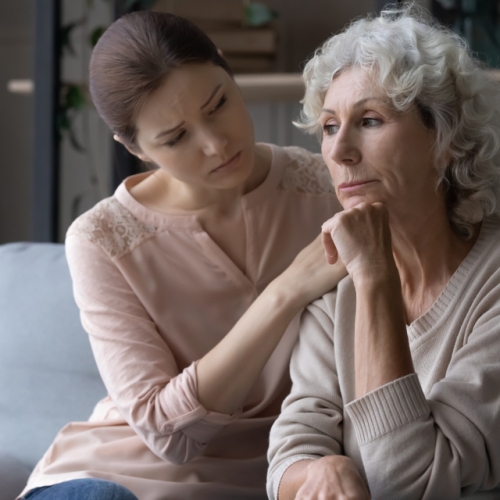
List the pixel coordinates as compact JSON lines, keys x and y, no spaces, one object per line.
{"x":159,"y":401}
{"x":311,"y":422}
{"x":227,"y":373}
{"x":443,"y":444}
{"x":361,"y":237}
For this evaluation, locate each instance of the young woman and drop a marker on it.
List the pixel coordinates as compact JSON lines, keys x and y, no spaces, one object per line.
{"x":187,"y":278}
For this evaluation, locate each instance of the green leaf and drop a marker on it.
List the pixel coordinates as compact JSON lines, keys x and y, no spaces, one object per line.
{"x":74,"y":141}
{"x":72,"y":100}
{"x":129,"y":4}
{"x":65,"y":36}
{"x":258,"y":14}
{"x":75,"y":98}
{"x":63,"y":121}
{"x":138,"y":4}
{"x":96,"y":34}
{"x":147,"y":4}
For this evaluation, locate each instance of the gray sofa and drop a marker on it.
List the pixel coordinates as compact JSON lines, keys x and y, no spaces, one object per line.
{"x":48,"y":376}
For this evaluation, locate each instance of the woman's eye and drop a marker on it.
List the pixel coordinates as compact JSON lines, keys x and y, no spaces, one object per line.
{"x":175,"y":140}
{"x":371,"y":122}
{"x":330,"y":129}
{"x":219,"y":105}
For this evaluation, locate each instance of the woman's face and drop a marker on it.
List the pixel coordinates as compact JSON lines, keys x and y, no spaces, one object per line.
{"x":196,"y":128}
{"x":374,"y":153}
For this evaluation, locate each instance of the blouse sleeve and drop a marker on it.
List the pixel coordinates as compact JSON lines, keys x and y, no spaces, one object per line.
{"x":137,"y":367}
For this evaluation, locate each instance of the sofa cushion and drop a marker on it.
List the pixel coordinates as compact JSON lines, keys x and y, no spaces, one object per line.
{"x":48,"y":376}
{"x":13,"y":476}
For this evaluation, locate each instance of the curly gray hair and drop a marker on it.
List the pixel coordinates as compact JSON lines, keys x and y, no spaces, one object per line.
{"x":417,"y":62}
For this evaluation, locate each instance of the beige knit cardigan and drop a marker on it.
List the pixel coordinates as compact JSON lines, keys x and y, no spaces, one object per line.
{"x":434,"y":434}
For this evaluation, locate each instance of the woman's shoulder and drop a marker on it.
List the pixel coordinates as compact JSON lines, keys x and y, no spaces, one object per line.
{"x":304,"y":172}
{"x":112,"y":227}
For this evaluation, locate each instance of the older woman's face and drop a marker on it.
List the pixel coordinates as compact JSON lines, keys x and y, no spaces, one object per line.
{"x":374,"y":153}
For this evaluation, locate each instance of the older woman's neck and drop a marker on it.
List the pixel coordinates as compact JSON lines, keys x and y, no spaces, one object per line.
{"x":427,"y":253}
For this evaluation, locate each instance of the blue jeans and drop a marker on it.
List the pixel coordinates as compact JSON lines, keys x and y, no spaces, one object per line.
{"x":82,"y":489}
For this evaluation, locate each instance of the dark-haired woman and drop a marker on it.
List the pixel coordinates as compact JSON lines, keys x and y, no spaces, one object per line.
{"x":187,"y":279}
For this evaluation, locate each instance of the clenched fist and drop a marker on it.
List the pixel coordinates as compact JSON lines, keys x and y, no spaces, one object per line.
{"x":361,"y":237}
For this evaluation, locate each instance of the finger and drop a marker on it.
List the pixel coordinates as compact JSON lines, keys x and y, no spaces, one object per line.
{"x":330,"y":248}
{"x":381,"y":208}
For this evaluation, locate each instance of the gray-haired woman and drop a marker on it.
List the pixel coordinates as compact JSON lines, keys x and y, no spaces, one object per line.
{"x":396,"y":376}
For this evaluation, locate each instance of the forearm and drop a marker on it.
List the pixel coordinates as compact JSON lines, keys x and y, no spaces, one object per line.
{"x":227,"y":373}
{"x":293,"y":478}
{"x":382,"y":352}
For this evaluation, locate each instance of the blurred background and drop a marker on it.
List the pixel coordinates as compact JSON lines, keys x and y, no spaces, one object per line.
{"x":58,"y":158}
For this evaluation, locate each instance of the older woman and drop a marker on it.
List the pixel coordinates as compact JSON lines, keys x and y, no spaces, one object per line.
{"x":396,"y":376}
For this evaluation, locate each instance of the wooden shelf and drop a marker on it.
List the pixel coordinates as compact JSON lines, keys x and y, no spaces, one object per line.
{"x":271,"y":87}
{"x":265,"y":87}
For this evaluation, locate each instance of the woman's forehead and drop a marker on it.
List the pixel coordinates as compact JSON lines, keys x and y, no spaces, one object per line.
{"x":186,"y":90}
{"x":353,"y":87}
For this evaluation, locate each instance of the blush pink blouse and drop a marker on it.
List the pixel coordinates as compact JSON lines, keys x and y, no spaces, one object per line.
{"x":156,"y":294}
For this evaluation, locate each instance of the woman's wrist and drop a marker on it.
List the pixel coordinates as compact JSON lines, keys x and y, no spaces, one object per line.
{"x":376,"y":278}
{"x":284,"y":295}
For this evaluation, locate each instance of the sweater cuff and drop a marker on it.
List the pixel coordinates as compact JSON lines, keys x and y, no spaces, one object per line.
{"x":387,"y":408}
{"x":275,"y":479}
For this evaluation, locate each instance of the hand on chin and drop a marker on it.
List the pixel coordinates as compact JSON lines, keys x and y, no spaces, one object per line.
{"x":361,"y":237}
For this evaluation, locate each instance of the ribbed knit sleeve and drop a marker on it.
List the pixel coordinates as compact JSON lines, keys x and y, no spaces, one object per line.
{"x":310,"y":424}
{"x":444,"y":446}
{"x":431,"y":435}
{"x":391,"y":406}
{"x":156,"y":399}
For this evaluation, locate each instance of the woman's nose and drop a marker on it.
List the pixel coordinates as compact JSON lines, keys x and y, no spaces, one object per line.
{"x":213,"y":143}
{"x":344,"y":149}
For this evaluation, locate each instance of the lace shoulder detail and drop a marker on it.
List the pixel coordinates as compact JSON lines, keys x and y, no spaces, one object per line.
{"x":112,"y":227}
{"x":306,"y":172}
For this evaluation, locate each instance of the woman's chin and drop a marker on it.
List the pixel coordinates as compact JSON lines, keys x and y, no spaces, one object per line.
{"x":231,"y":180}
{"x":352,"y":201}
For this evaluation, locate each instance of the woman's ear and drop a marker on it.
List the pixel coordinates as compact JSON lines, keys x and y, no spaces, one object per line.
{"x":141,"y":157}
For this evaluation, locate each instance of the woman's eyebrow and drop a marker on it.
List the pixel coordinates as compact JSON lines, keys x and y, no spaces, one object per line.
{"x":173,"y":129}
{"x":212,"y":95}
{"x":165,"y":132}
{"x":357,"y":104}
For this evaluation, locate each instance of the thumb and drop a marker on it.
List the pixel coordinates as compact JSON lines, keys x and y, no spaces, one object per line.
{"x":330,"y":248}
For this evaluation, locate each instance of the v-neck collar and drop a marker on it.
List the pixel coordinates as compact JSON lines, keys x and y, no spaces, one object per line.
{"x":191,"y":223}
{"x":451,"y":293}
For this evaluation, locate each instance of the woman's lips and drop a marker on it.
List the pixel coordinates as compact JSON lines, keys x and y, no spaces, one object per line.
{"x":229,"y":165}
{"x":351,"y":186}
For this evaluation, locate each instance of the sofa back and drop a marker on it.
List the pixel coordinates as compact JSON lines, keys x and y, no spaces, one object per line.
{"x":48,"y":375}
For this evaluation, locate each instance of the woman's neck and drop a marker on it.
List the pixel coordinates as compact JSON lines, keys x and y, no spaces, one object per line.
{"x":163,"y":193}
{"x":427,"y":253}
